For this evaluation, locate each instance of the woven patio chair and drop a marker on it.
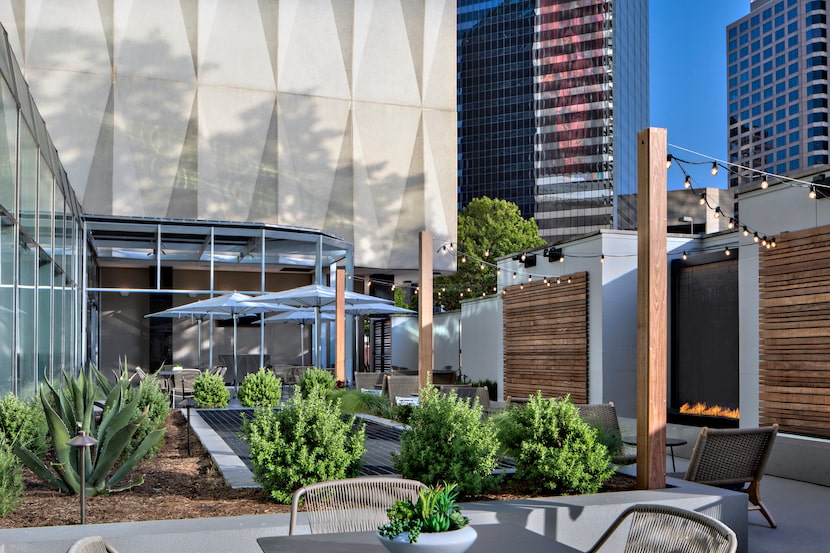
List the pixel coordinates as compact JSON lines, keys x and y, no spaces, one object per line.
{"x":734,"y":458}
{"x":351,"y":505}
{"x":603,"y":417}
{"x":91,"y":544}
{"x":402,"y":386}
{"x":368,"y":380}
{"x":470,"y":393}
{"x":663,"y":528}
{"x":181,"y":386}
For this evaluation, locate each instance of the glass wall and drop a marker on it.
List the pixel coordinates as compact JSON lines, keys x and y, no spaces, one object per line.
{"x":40,"y":233}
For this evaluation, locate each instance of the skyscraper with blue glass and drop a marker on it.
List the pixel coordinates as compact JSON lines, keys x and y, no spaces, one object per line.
{"x":551,"y":94}
{"x":777,"y":89}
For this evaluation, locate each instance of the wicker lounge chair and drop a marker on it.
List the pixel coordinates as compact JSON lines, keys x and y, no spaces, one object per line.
{"x":402,"y":386}
{"x":91,"y":544}
{"x":603,"y":416}
{"x":734,"y":458}
{"x":350,"y":505}
{"x":470,"y":393}
{"x":181,"y":386}
{"x":656,"y":528}
{"x":368,"y":380}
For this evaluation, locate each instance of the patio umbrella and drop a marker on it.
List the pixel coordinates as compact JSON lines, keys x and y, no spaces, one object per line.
{"x":302,"y":317}
{"x":231,"y":306}
{"x":315,"y":296}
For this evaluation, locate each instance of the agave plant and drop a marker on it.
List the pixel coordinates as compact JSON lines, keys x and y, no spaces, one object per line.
{"x":72,"y":407}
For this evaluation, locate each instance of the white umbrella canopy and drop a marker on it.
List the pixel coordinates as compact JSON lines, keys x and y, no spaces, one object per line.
{"x":316,"y":296}
{"x":302,"y":317}
{"x":374,"y":308}
{"x":231,"y":306}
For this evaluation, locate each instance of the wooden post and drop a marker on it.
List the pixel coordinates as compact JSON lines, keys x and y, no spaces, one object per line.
{"x":340,"y":327}
{"x":425,"y":349}
{"x":652,"y":321}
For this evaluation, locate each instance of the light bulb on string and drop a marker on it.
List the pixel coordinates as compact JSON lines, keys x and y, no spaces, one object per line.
{"x":481,"y":266}
{"x":530,"y":278}
{"x":714,"y":168}
{"x":764,"y":241}
{"x":746,"y":231}
{"x":522,"y":286}
{"x":688,"y":183}
{"x":764,"y":183}
{"x":703,"y":198}
{"x":558,"y":280}
{"x":523,"y":257}
{"x":498,"y":271}
{"x":463,"y":259}
{"x":562,"y":259}
{"x":668,"y":161}
{"x":756,"y":238}
{"x":451,"y":246}
{"x":602,"y":258}
{"x":569,"y":280}
{"x":731,"y":223}
{"x":717,"y":212}
{"x":487,"y":252}
{"x":812,"y":193}
{"x":514,"y":275}
{"x":685,"y":257}
{"x":726,"y":251}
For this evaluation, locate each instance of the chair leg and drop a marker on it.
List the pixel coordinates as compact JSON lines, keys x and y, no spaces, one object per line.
{"x":755,"y":500}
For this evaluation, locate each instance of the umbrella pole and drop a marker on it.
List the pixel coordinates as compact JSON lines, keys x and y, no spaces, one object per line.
{"x":199,"y":338}
{"x":235,"y":375}
{"x":302,"y":344}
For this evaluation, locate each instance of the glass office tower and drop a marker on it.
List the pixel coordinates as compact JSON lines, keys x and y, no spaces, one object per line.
{"x":551,"y":95}
{"x":777,"y":88}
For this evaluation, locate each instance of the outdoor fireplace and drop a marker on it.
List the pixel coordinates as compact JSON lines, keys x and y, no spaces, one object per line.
{"x":704,"y":377}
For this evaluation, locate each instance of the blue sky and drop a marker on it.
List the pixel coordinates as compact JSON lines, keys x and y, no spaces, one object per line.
{"x":687,"y":57}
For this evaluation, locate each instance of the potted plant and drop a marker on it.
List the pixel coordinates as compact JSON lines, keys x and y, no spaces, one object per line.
{"x":433,"y":523}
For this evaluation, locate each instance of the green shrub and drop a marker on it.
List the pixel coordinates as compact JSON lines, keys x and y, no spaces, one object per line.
{"x":316,"y":379}
{"x":555,"y":450}
{"x":307,"y":441}
{"x":354,"y":401}
{"x":24,"y":423}
{"x":448,"y":441}
{"x":157,"y":404}
{"x":209,"y":391}
{"x":71,"y":406}
{"x":11,"y":480}
{"x":260,"y":389}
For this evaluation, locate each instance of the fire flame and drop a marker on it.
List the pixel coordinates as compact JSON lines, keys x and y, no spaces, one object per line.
{"x":714,"y":411}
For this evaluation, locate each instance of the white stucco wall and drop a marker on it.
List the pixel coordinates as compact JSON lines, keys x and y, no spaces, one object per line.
{"x":481,"y":340}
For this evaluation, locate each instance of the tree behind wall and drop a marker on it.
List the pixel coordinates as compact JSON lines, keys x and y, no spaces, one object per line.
{"x":487,"y":230}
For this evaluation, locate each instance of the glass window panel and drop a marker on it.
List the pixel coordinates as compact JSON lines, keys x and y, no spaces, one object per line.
{"x":8,"y":146}
{"x":44,"y":322}
{"x":45,"y":205}
{"x":59,"y":327}
{"x":26,"y":337}
{"x":28,"y":162}
{"x":8,"y":244}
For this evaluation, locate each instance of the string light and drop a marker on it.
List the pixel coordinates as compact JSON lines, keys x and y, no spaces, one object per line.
{"x":746,"y":231}
{"x":463,"y":259}
{"x":756,"y":238}
{"x":726,"y":251}
{"x":685,"y":256}
{"x":812,"y":193}
{"x":668,"y":161}
{"x":703,"y":198}
{"x":731,"y":223}
{"x":717,"y":212}
{"x":764,"y":183}
{"x":688,"y":183}
{"x":602,"y":258}
{"x":714,"y":168}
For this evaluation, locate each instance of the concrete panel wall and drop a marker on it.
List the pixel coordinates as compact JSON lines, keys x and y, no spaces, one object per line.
{"x":482,"y":342}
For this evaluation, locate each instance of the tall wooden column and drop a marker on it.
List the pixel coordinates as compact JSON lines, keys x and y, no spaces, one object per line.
{"x":652,"y":320}
{"x":340,"y":326}
{"x":425,"y":347}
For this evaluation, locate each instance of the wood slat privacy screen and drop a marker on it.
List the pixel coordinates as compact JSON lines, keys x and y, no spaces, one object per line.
{"x":794,"y":321}
{"x":546,"y":339}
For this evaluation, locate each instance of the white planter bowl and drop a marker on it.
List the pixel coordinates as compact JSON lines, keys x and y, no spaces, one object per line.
{"x":455,"y":541}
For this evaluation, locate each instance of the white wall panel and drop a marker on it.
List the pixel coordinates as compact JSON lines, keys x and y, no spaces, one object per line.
{"x":313,"y":57}
{"x":151,"y":117}
{"x":151,"y":40}
{"x":233,"y":126}
{"x":81,"y":46}
{"x":232,"y":47}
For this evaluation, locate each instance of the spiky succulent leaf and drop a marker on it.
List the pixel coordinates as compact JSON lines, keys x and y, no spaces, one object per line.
{"x":129,"y":463}
{"x":36,"y":465}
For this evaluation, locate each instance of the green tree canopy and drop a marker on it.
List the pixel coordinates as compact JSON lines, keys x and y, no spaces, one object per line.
{"x":487,"y":229}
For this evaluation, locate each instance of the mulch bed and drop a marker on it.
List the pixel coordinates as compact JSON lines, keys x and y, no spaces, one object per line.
{"x":176,"y":486}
